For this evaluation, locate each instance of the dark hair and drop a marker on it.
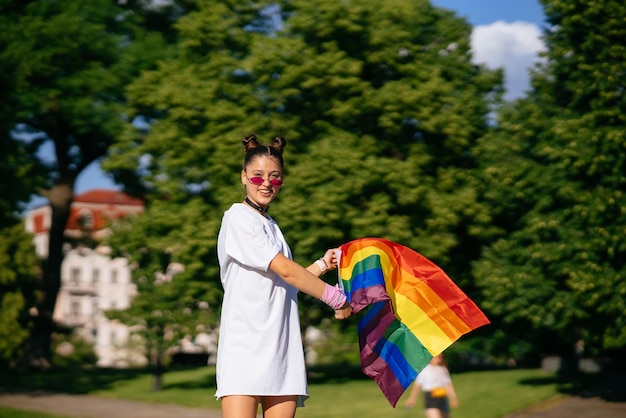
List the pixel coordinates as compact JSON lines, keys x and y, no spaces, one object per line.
{"x":254,"y":149}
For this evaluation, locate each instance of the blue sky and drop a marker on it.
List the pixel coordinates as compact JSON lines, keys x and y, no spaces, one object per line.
{"x":506,"y":35}
{"x":484,"y":12}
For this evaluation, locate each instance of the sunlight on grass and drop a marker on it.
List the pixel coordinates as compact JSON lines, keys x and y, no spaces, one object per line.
{"x":488,"y":394}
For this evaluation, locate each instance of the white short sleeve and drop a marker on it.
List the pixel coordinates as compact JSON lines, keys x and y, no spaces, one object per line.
{"x":248,"y":238}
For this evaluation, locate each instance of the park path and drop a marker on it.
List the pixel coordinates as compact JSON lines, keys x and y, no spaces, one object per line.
{"x":606,"y":399}
{"x":87,"y":406}
{"x":574,"y":407}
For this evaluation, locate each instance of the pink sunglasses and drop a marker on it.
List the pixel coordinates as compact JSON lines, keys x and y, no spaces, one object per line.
{"x":257,"y":181}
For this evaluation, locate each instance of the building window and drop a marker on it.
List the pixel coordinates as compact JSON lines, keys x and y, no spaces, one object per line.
{"x":95,"y":276}
{"x":75,"y":309}
{"x":75,"y":276}
{"x":113,"y":276}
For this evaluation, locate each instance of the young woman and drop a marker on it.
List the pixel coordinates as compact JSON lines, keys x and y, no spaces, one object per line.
{"x":439,"y":393}
{"x":260,"y":358}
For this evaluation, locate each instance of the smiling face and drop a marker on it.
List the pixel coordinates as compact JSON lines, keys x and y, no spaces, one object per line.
{"x":268,"y":168}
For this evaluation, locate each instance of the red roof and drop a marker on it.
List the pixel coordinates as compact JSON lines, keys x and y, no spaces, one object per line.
{"x":100,"y":205}
{"x":112,"y":197}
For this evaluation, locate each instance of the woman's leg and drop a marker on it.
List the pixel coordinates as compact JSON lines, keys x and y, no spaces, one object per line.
{"x":279,"y":406}
{"x":239,"y":406}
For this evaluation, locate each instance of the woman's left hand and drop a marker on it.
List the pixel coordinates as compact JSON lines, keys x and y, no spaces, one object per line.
{"x":344,"y":312}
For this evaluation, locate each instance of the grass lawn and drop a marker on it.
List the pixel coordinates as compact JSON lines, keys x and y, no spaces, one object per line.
{"x":482,"y":394}
{"x":16,"y":413}
{"x":487,"y":394}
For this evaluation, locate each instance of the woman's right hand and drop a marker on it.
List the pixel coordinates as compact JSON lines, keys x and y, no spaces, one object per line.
{"x":330,"y":258}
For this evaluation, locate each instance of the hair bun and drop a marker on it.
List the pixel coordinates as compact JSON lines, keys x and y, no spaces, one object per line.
{"x":279,"y":143}
{"x":250,"y":142}
{"x":254,"y":149}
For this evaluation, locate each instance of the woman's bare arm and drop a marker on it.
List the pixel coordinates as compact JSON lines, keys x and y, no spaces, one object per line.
{"x":303,"y":280}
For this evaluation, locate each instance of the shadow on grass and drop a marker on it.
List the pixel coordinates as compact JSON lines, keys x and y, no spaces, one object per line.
{"x":83,"y":381}
{"x":80,"y":381}
{"x":65,"y":380}
{"x":334,"y":373}
{"x":206,"y":382}
{"x":608,"y":385}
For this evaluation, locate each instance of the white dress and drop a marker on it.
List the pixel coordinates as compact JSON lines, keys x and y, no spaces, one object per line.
{"x":260,"y":349}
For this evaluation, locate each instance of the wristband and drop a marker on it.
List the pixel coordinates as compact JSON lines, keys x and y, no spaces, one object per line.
{"x":321,"y":263}
{"x":333,"y":297}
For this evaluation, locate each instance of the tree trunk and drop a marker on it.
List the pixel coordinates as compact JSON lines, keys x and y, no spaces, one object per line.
{"x":158,"y":369}
{"x":60,"y":198}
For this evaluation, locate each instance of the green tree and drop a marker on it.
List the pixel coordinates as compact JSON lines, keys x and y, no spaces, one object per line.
{"x":554,"y":174}
{"x":22,"y":174}
{"x":171,"y":261}
{"x":65,"y":66}
{"x":379,"y":101}
{"x":71,"y":350}
{"x":18,"y":284}
{"x":19,"y":266}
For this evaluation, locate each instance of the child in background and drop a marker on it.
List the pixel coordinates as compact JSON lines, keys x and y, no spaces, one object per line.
{"x":439,"y":394}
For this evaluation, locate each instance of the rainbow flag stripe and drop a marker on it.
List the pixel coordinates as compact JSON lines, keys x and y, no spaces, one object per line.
{"x":415,"y":311}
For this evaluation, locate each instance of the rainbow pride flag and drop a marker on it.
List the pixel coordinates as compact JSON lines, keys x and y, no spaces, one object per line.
{"x":415,"y":311}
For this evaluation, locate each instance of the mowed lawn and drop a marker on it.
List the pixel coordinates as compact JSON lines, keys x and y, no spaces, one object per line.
{"x":16,"y":413}
{"x":482,"y":394}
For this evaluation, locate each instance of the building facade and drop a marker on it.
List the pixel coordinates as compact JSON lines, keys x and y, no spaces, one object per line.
{"x":91,"y":280}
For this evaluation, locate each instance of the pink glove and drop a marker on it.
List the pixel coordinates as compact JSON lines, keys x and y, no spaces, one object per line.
{"x":333,"y":297}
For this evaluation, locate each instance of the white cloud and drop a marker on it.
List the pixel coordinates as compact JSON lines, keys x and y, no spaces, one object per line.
{"x":513,"y":46}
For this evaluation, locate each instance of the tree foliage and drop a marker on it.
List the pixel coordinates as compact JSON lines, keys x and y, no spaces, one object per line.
{"x":379,"y":101}
{"x":171,"y":261}
{"x":554,"y":175}
{"x":387,"y":121}
{"x":18,"y":284}
{"x":65,"y":65}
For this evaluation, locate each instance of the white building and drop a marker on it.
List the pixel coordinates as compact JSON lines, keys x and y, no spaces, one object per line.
{"x":92,"y":281}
